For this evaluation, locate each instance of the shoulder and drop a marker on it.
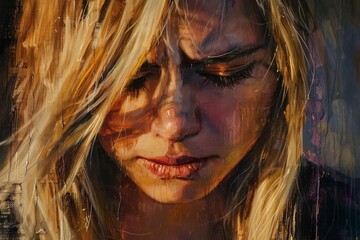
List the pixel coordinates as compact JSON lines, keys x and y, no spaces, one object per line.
{"x":329,"y":202}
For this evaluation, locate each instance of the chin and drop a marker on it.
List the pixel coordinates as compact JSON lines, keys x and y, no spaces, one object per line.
{"x":176,"y":191}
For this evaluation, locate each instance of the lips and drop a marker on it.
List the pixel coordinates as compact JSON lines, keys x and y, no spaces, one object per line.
{"x":183,"y":167}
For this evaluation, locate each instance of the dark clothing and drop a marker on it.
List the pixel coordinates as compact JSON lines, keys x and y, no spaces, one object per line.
{"x":328,"y":204}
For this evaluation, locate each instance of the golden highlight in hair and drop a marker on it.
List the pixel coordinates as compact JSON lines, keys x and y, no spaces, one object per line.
{"x":74,"y":59}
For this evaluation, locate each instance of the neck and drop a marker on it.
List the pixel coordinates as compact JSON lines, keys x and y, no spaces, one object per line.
{"x":141,"y":216}
{"x":131,"y":214}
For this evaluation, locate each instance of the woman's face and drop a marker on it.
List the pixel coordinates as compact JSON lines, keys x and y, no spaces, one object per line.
{"x":197,"y":106}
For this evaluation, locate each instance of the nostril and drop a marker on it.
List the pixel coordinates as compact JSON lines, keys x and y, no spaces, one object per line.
{"x":175,"y":124}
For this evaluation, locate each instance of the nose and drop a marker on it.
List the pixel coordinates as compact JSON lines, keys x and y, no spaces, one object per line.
{"x":178,"y":117}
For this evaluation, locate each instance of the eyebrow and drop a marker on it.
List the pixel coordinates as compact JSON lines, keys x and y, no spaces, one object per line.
{"x":148,"y":66}
{"x":220,"y":58}
{"x":226,"y":56}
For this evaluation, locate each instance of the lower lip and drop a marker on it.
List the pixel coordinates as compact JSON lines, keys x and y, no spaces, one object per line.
{"x":183,"y":171}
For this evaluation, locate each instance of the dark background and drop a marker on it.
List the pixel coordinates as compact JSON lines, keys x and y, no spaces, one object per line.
{"x":9,"y":10}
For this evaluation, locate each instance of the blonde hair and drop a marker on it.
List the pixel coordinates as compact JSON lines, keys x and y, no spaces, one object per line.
{"x":273,"y":193}
{"x":74,"y":61}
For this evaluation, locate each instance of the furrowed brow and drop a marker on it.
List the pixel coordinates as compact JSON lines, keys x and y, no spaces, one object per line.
{"x":226,"y":56}
{"x":235,"y":53}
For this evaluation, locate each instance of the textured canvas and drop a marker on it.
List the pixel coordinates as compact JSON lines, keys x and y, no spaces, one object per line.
{"x":179,"y":119}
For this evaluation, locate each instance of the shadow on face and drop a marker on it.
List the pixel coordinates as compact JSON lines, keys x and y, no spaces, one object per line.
{"x":197,"y":105}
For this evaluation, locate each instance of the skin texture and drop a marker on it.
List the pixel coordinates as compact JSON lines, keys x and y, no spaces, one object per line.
{"x":181,"y":112}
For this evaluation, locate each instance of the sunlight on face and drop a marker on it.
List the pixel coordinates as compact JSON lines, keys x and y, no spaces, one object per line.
{"x":197,"y":106}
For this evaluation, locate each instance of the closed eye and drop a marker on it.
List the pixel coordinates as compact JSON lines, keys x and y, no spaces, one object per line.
{"x":226,"y":77}
{"x":139,"y":82}
{"x":136,"y":85}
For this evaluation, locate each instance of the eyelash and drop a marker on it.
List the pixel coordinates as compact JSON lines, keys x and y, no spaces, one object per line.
{"x":136,"y":85}
{"x":227,"y":81}
{"x":139,"y":84}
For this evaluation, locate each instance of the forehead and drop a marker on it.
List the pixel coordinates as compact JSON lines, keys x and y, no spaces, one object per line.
{"x":212,"y":27}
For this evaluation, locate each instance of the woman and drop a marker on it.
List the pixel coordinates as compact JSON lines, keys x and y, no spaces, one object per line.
{"x":159,"y":120}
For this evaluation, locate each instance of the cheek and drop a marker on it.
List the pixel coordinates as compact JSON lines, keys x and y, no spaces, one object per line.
{"x":238,"y":115}
{"x":123,"y":125}
{"x":127,"y":115}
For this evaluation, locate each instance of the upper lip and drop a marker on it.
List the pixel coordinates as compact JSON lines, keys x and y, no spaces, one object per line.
{"x":175,"y":160}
